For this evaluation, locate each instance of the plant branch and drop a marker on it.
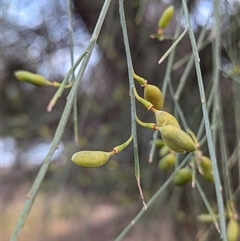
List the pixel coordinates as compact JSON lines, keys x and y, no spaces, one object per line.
{"x":218,"y":186}
{"x":60,"y":129}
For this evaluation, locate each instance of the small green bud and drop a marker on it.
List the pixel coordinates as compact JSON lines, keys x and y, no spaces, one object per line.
{"x":182,"y":177}
{"x":35,"y":79}
{"x":167,"y":162}
{"x":205,"y":164}
{"x":176,"y":139}
{"x":159,"y":143}
{"x":233,"y":231}
{"x":204,"y":218}
{"x":208,"y":176}
{"x":154,"y":95}
{"x":166,"y":17}
{"x":91,"y":158}
{"x":164,"y":150}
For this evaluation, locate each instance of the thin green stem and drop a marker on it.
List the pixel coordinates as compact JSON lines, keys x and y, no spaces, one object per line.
{"x":218,"y":186}
{"x":60,"y":129}
{"x":207,"y":204}
{"x":153,"y":146}
{"x":70,"y":26}
{"x":60,"y":90}
{"x":140,"y":12}
{"x":168,"y":72}
{"x":151,"y":201}
{"x":132,"y":98}
{"x":188,"y":68}
{"x":175,"y":43}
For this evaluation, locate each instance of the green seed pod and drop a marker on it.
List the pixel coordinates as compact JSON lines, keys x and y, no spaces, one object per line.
{"x":154,"y":95}
{"x":91,"y":158}
{"x":35,"y":79}
{"x":167,"y":162}
{"x":233,"y":231}
{"x":166,"y":17}
{"x":163,"y":118}
{"x":176,"y":139}
{"x":204,"y":218}
{"x":159,"y":143}
{"x":164,"y":150}
{"x":205,"y":164}
{"x":208,"y":176}
{"x":182,"y":177}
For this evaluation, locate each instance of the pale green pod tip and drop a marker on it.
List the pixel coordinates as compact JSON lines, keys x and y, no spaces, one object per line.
{"x":159,"y":143}
{"x":233,"y":230}
{"x":164,"y":150}
{"x":205,"y":164}
{"x":204,"y":218}
{"x":91,"y":158}
{"x":176,"y":139}
{"x":164,"y":118}
{"x":208,"y":176}
{"x":182,"y":177}
{"x":166,"y":17}
{"x":154,"y":95}
{"x":35,"y":79}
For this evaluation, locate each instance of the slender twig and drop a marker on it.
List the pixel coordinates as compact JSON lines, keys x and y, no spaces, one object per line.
{"x":132,"y":98}
{"x":141,"y":11}
{"x":60,"y":129}
{"x":168,"y":72}
{"x":207,"y":204}
{"x":60,"y":90}
{"x":151,"y":200}
{"x":175,"y":43}
{"x":70,"y":26}
{"x":218,"y":186}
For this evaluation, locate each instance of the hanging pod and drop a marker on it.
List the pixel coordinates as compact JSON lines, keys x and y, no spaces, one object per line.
{"x":35,"y":79}
{"x":205,"y":218}
{"x":233,"y":230}
{"x":205,"y":164}
{"x":164,"y":118}
{"x":176,"y":139}
{"x":167,"y":162}
{"x":206,"y":168}
{"x":97,"y":158}
{"x":166,"y":17}
{"x":182,"y":177}
{"x":164,"y":150}
{"x":154,"y":95}
{"x":91,"y":158}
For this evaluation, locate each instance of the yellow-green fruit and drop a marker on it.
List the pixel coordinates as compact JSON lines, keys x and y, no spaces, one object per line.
{"x":90,"y":158}
{"x":159,"y":143}
{"x":208,"y":176}
{"x":154,"y":95}
{"x":164,"y":150}
{"x":35,"y":79}
{"x":204,"y":218}
{"x":176,"y":139}
{"x":182,"y":177}
{"x":205,"y":164}
{"x":166,"y":17}
{"x":163,"y":118}
{"x":167,"y":162}
{"x":233,"y":231}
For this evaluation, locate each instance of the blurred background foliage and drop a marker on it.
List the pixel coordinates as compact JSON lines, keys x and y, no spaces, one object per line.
{"x":35,"y":37}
